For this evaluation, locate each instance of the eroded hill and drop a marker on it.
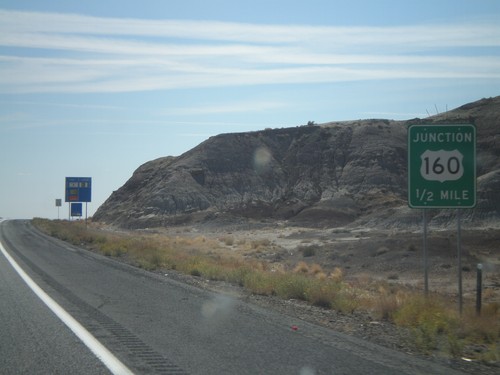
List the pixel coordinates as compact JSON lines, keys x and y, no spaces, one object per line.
{"x":333,"y":174}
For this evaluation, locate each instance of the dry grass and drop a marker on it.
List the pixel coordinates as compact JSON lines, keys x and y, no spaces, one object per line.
{"x":434,"y":321}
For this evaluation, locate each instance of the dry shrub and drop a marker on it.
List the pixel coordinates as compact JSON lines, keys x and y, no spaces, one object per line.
{"x":261,"y":243}
{"x":228,"y":240}
{"x":437,"y":326}
{"x":150,"y":259}
{"x":321,"y":276}
{"x":412,"y":248}
{"x":114,"y":248}
{"x":308,"y":251}
{"x":260,"y":282}
{"x":484,"y":327}
{"x":387,"y":302}
{"x":301,"y":267}
{"x":315,"y":269}
{"x":323,"y":293}
{"x":293,"y":286}
{"x":347,"y":300}
{"x":336,"y":275}
{"x":278,"y":268}
{"x":238,"y":275}
{"x":430,"y":319}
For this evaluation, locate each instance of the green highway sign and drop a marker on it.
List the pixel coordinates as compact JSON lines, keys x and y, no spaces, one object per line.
{"x":442,"y":166}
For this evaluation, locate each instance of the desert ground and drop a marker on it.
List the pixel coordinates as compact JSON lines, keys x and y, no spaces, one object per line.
{"x":393,"y":256}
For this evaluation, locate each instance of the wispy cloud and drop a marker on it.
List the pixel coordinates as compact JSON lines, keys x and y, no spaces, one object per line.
{"x":231,"y":107}
{"x":20,"y":122}
{"x":59,"y":105}
{"x":76,"y":53}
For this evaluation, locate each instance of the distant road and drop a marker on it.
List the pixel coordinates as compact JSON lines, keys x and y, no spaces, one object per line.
{"x":156,"y":325}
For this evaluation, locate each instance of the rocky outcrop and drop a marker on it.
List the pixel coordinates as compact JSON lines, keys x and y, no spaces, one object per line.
{"x":331,"y":174}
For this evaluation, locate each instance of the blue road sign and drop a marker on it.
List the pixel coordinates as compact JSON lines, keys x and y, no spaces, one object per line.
{"x":76,"y":209}
{"x":78,"y":189}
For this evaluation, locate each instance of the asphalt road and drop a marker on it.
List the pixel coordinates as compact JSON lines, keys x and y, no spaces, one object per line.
{"x":156,"y":325}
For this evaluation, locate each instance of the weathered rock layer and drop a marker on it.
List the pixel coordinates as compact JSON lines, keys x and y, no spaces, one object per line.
{"x":331,"y":174}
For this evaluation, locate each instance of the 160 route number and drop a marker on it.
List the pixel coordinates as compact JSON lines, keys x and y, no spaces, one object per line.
{"x":441,"y":165}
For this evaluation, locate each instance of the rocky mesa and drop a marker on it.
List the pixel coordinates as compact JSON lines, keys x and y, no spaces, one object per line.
{"x":326,"y":175}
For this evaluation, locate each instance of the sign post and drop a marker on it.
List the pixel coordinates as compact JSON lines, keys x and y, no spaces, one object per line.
{"x":442,"y":174}
{"x":426,"y":259}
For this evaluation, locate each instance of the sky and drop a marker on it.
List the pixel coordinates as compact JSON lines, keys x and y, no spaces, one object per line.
{"x":97,"y":88}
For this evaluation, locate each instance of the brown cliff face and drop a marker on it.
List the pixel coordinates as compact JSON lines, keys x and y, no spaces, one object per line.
{"x":332,"y":174}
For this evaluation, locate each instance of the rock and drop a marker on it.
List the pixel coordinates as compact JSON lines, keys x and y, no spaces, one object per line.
{"x":332,"y":174}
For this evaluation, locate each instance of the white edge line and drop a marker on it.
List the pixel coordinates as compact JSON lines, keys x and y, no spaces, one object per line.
{"x":99,"y":350}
